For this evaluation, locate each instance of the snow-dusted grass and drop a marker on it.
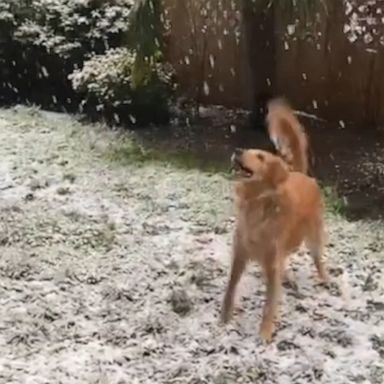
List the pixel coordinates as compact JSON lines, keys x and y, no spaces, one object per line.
{"x":113,"y":272}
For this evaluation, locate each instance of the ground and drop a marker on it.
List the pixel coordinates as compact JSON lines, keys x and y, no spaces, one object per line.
{"x":114,"y":272}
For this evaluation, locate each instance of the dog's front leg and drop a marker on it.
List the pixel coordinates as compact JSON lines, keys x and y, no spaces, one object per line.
{"x":239,"y":262}
{"x":273,"y":274}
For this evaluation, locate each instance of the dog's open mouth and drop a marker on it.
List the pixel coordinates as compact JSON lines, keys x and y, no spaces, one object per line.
{"x":239,"y":168}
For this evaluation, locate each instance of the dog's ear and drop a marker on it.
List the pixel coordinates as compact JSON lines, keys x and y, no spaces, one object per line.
{"x":278,"y":172}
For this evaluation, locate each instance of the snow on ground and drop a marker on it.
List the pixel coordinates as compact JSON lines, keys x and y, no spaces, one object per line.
{"x":115,"y":274}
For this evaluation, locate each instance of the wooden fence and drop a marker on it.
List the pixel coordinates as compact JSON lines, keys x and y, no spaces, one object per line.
{"x":230,"y":53}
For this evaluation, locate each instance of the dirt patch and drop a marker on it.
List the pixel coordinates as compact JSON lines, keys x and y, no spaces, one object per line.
{"x":115,"y":274}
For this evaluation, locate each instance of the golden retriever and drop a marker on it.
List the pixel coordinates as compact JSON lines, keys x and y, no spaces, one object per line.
{"x":288,"y":135}
{"x":277,"y":210}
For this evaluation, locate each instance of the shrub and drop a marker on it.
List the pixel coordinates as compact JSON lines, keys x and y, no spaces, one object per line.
{"x":67,"y":52}
{"x":47,"y":39}
{"x":107,"y":88}
{"x":72,"y":29}
{"x":44,"y":40}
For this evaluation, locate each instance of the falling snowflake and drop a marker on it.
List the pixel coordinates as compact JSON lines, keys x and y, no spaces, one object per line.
{"x":211,"y":61}
{"x":206,"y":88}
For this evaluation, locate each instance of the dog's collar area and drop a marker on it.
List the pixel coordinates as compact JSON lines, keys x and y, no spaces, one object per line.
{"x":268,"y":193}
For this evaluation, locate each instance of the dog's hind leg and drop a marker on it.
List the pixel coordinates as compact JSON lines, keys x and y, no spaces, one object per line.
{"x":239,"y":262}
{"x":314,"y":241}
{"x":287,"y":277}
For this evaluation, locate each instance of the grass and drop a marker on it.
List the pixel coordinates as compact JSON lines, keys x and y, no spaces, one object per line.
{"x":335,"y":203}
{"x":131,"y":152}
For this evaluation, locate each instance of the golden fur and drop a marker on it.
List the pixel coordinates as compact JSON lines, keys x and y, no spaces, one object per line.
{"x":277,"y":210}
{"x":288,"y":135}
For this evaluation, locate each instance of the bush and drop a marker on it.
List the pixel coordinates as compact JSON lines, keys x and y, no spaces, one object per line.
{"x":71,"y":29}
{"x":43,"y":42}
{"x":108,"y":88}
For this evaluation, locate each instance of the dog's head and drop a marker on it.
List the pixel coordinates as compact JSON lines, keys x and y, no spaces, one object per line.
{"x":258,"y":165}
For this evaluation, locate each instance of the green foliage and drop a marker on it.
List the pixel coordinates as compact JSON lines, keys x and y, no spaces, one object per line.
{"x":73,"y":27}
{"x":106,"y":81}
{"x":144,"y":37}
{"x":146,"y":28}
{"x":43,"y":41}
{"x":47,"y":47}
{"x":130,"y":85}
{"x":334,"y":202}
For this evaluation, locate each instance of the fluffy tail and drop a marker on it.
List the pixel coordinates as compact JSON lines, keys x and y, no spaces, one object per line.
{"x":288,"y":135}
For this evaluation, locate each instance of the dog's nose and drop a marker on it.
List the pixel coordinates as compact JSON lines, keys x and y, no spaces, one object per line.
{"x":236,"y":155}
{"x":238,"y":151}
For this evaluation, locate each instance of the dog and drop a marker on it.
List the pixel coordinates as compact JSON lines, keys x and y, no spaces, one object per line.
{"x":288,"y":135}
{"x":277,"y":210}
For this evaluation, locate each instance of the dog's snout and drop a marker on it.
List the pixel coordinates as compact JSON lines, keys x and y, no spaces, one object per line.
{"x":238,"y":151}
{"x":236,"y":155}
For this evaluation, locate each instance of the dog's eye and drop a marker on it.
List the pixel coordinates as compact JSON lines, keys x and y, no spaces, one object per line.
{"x":260,"y":156}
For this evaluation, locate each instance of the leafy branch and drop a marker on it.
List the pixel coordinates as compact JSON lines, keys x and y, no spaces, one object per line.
{"x":145,"y":38}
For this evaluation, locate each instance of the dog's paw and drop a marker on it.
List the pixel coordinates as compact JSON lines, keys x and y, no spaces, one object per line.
{"x":225,"y":316}
{"x":324,"y":281}
{"x":267,"y":329}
